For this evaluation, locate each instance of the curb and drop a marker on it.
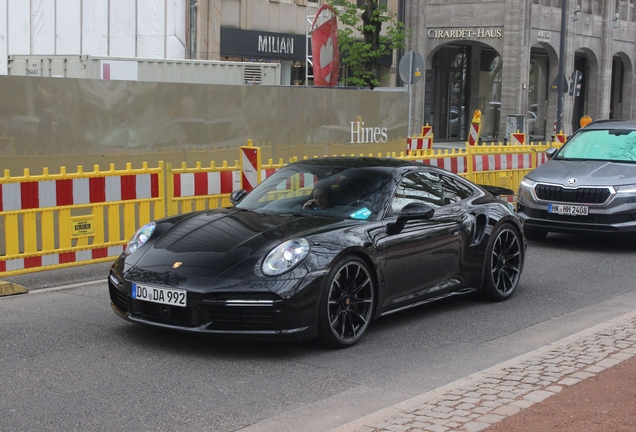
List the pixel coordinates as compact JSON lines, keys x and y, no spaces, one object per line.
{"x":8,"y":288}
{"x":419,"y":407}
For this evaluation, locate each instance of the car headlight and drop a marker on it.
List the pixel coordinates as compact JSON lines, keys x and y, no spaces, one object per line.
{"x":527,"y":183}
{"x":285,"y":257}
{"x":626,"y":188}
{"x":140,"y":237}
{"x":525,"y":188}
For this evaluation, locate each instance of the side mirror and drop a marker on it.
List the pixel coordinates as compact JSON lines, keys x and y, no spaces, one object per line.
{"x":237,"y":196}
{"x":551,"y":152}
{"x":412,"y":211}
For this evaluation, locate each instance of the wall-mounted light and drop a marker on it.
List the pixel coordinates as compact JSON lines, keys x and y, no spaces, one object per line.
{"x":614,"y":20}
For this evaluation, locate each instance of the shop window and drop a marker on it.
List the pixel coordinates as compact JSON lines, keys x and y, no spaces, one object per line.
{"x":384,"y":3}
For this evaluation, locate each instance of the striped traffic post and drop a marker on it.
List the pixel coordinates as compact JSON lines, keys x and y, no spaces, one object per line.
{"x":517,"y":138}
{"x":250,"y":166}
{"x":427,"y":130}
{"x":475,"y":124}
{"x":561,"y":138}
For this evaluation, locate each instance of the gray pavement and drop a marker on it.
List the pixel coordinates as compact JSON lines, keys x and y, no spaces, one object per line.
{"x":476,"y":402}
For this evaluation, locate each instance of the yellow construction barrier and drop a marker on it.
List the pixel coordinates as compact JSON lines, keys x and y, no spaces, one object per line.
{"x":61,"y":220}
{"x":67,"y":219}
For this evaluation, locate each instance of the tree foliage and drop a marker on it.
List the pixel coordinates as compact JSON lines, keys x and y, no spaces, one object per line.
{"x":365,"y":20}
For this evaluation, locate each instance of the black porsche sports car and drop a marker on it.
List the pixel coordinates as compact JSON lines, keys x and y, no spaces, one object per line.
{"x":319,"y":250}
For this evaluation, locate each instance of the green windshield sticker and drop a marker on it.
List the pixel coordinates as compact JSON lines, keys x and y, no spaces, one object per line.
{"x":363,"y":213}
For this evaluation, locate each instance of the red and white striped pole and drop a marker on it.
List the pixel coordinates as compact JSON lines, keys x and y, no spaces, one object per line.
{"x":250,"y":166}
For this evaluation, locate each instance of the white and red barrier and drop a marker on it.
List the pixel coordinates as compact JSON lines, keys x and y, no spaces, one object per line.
{"x":60,"y":258}
{"x":42,"y":194}
{"x":206,"y":183}
{"x":265,"y":173}
{"x":499,"y":162}
{"x":517,"y":138}
{"x":25,"y":201}
{"x":55,"y":193}
{"x":418,"y":143}
{"x":541,"y":158}
{"x":422,"y":142}
{"x":456,"y":164}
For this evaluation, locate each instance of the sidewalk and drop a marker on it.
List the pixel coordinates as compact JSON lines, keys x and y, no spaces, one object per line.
{"x":516,"y":395}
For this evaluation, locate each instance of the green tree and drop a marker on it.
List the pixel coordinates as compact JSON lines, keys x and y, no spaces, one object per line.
{"x":365,"y":18}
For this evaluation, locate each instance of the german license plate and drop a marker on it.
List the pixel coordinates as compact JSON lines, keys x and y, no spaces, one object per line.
{"x":569,"y":210}
{"x":169,"y":296}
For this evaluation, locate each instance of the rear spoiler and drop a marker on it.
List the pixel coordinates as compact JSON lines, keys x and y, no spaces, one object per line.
{"x":497,"y":190}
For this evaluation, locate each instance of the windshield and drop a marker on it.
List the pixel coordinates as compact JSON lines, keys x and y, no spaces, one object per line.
{"x":617,"y":145}
{"x":317,"y":190}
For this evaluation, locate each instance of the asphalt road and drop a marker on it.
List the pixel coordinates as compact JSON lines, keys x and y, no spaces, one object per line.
{"x":67,"y":362}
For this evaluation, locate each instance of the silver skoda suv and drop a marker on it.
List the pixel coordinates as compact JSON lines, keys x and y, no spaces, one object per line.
{"x":586,"y":186}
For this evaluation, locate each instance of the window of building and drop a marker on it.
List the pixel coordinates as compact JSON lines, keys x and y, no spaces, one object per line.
{"x":384,"y":3}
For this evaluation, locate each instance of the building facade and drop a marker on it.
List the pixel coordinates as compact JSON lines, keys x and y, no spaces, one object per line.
{"x":502,"y":57}
{"x":499,"y":56}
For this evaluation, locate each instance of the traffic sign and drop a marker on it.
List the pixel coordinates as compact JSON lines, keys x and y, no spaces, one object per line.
{"x":411,"y":67}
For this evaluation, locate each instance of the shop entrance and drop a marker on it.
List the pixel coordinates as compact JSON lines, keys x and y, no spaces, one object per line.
{"x":450,"y":93}
{"x":463,"y":77}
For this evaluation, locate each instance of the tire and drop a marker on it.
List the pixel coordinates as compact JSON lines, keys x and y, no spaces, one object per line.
{"x":504,"y":262}
{"x":346,"y":304}
{"x":534,"y":234}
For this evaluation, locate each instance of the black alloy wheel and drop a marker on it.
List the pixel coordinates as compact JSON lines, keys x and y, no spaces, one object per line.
{"x":346,"y":307}
{"x":504,"y":263}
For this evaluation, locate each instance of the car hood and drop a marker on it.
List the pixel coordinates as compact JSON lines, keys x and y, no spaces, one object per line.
{"x":224,"y":242}
{"x":586,"y":173}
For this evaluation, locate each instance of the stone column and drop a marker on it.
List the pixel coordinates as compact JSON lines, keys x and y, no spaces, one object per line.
{"x":604,"y":89}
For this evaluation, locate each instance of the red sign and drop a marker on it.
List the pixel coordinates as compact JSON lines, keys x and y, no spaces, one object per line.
{"x":324,"y":50}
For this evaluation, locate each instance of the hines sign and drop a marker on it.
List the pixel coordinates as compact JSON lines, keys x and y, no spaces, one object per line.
{"x":364,"y":135}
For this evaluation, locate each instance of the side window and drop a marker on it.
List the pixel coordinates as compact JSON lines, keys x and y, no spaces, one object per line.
{"x":455,"y":190}
{"x":421,"y":186}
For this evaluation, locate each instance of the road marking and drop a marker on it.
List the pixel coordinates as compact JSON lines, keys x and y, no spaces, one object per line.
{"x":63,"y":287}
{"x":8,"y":288}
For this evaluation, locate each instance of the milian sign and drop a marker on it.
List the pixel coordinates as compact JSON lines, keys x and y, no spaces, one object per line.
{"x":275,"y":44}
{"x":481,"y":33}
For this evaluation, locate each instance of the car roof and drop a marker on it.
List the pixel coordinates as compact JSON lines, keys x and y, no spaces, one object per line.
{"x":361,"y":162}
{"x":611,"y":124}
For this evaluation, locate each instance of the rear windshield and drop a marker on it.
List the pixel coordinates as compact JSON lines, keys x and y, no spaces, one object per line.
{"x":617,"y":145}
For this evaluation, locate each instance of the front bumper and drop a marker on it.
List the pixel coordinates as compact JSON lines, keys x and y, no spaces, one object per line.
{"x":541,"y":220}
{"x":238,"y":314}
